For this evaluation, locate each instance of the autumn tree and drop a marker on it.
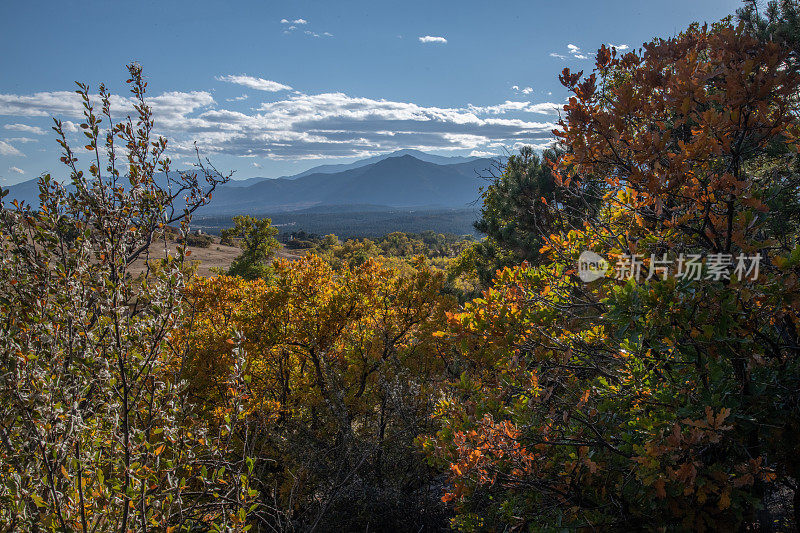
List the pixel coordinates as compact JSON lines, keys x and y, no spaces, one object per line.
{"x":96,"y":433}
{"x":657,"y":401}
{"x":344,"y":369}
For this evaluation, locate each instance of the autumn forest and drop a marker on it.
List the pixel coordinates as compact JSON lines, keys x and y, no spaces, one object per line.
{"x":423,"y":382}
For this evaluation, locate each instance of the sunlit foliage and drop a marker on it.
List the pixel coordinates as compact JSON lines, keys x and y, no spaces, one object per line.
{"x":664,"y":402}
{"x":344,"y":373}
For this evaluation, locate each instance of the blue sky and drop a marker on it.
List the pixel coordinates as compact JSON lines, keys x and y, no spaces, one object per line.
{"x":269,"y":88}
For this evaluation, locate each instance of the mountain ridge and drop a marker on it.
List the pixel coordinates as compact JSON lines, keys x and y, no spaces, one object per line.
{"x":391,"y":182}
{"x":340,"y":167}
{"x":394,"y":182}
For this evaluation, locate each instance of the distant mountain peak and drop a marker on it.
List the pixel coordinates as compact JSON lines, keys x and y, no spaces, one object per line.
{"x":339,"y":167}
{"x":397,"y":180}
{"x":404,"y":157}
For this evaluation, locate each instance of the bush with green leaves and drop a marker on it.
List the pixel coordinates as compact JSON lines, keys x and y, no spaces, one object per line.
{"x":96,"y":433}
{"x":256,"y":238}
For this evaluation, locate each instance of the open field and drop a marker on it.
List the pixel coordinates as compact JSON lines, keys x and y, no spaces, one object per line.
{"x":215,"y":256}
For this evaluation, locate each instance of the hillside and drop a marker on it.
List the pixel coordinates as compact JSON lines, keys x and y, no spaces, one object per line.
{"x":332,"y":169}
{"x":403,"y":181}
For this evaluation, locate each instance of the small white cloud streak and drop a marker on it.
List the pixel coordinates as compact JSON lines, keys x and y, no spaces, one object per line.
{"x":26,"y":128}
{"x":251,"y":82}
{"x":8,"y":150}
{"x":482,"y":153}
{"x":573,"y":50}
{"x":433,"y":39}
{"x":543,"y":108}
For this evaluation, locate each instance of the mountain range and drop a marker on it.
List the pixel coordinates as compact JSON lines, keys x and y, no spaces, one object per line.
{"x":332,"y":169}
{"x":405,"y":179}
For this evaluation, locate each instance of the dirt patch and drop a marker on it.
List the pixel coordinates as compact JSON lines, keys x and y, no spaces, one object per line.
{"x":215,"y":256}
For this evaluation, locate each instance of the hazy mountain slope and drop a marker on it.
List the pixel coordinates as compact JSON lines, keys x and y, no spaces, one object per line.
{"x":393,"y":182}
{"x":418,"y":154}
{"x":335,"y":168}
{"x":27,"y":191}
{"x":406,"y":181}
{"x":402,"y":181}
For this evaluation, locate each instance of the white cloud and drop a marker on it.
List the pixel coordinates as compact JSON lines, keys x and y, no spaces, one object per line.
{"x":26,"y":128}
{"x":619,"y":47}
{"x":432,"y":39}
{"x":293,"y":24}
{"x":257,"y":165}
{"x":7,"y":149}
{"x":17,"y":170}
{"x":41,"y":104}
{"x":499,"y":109}
{"x":68,"y":103}
{"x":237,"y":98}
{"x":481,"y":153}
{"x":251,"y":82}
{"x":309,"y":126}
{"x":544,"y":145}
{"x":573,"y":50}
{"x":174,"y":105}
{"x":543,"y":108}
